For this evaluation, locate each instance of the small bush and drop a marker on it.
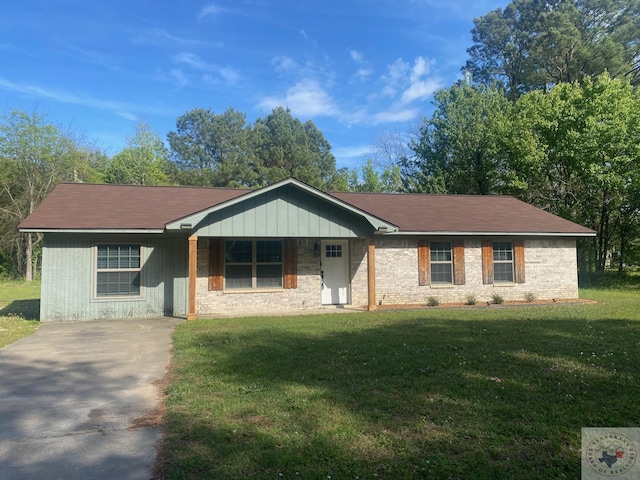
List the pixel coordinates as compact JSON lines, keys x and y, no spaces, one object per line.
{"x":433,"y":302}
{"x":530,"y":297}
{"x":471,"y":300}
{"x":497,"y":299}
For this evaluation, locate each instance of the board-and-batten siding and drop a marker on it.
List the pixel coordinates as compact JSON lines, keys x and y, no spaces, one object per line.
{"x":288,"y":212}
{"x":68,"y":279}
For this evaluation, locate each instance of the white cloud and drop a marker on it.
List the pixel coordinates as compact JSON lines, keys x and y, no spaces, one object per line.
{"x":118,"y":108}
{"x":178,"y":78}
{"x":128,"y":116}
{"x":357,"y":56}
{"x":410,"y":83}
{"x":284,"y":64}
{"x":207,"y":10}
{"x":363,"y":74}
{"x":419,"y":90}
{"x":159,"y":36}
{"x":420,"y":68}
{"x":230,"y":75}
{"x":192,"y":60}
{"x":353,"y":151}
{"x":306,"y":98}
{"x":395,"y":116}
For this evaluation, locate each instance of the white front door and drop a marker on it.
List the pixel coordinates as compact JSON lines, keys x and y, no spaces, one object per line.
{"x":335,"y":272}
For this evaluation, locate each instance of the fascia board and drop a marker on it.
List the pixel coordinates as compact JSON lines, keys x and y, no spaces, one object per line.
{"x":91,"y":230}
{"x":487,"y":234}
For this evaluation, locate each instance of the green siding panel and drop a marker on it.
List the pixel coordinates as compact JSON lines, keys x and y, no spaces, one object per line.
{"x":68,"y":279}
{"x":288,"y":212}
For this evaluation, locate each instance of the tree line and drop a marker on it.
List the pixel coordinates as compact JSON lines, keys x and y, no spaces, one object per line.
{"x":547,"y":111}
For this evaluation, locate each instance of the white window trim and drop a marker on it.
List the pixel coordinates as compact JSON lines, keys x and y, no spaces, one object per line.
{"x":96,"y":270}
{"x":512,"y":262}
{"x":440,"y":262}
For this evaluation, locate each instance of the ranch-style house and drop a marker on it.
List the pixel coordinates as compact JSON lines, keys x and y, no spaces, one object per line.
{"x":124,"y":251}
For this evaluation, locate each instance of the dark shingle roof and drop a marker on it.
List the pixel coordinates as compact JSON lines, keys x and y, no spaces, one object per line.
{"x":461,"y":213}
{"x":77,"y":206}
{"x":87,"y":206}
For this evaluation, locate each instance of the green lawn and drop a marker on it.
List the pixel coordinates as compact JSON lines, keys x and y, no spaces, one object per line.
{"x":483,"y":393}
{"x":19,"y":310}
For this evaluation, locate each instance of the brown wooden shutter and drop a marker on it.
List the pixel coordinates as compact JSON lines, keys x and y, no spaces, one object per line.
{"x":487,"y":262}
{"x":518,"y":259}
{"x":216,"y":264}
{"x":458,"y":262}
{"x":290,"y":263}
{"x":424,"y":263}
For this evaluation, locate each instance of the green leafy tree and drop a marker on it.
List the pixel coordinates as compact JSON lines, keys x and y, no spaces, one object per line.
{"x":534,"y":45}
{"x":213,"y":149}
{"x":461,"y":148}
{"x":34,"y":156}
{"x":286,"y":147}
{"x":144,"y":160}
{"x":587,"y":170}
{"x":368,"y":179}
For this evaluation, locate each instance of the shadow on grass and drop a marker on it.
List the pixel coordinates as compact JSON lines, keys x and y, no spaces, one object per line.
{"x":397,"y":397}
{"x":27,"y":309}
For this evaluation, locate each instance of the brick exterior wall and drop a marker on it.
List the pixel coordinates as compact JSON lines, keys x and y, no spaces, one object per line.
{"x":306,"y":296}
{"x":550,"y":271}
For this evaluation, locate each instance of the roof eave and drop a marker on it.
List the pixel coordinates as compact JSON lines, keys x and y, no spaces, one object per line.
{"x":496,"y":233}
{"x":91,"y":230}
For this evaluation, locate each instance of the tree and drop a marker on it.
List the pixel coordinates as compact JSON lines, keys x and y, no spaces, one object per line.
{"x":144,"y":160}
{"x":34,"y":156}
{"x":389,"y":180}
{"x":534,"y":45}
{"x":286,"y":147}
{"x":213,"y":149}
{"x":587,"y":170}
{"x":460,"y":149}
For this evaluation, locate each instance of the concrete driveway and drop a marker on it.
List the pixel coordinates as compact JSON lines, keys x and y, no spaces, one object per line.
{"x":70,"y":396}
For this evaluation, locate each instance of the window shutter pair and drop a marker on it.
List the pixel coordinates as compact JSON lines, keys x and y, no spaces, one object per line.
{"x":216,"y":263}
{"x":424,"y":262}
{"x":487,"y":261}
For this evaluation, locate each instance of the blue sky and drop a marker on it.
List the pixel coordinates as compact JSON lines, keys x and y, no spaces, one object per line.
{"x":356,"y":68}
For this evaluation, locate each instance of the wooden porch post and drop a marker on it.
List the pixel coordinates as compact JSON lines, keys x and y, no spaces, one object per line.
{"x":193,"y":274}
{"x":371,"y":274}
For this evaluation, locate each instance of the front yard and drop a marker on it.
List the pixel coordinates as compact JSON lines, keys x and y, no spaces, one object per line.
{"x":484,"y":393}
{"x":19,"y":310}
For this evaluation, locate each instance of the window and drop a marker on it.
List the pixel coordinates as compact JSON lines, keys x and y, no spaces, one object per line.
{"x":333,"y":251}
{"x":118,"y":270}
{"x":253,"y":264}
{"x":441,"y":263}
{"x":502,"y":262}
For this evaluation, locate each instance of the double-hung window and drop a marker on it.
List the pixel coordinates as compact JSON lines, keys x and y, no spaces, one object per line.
{"x":502,"y":262}
{"x":253,"y":264}
{"x":441,"y":263}
{"x":118,"y":270}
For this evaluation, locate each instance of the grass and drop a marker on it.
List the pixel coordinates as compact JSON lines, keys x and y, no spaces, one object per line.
{"x":486,"y":393}
{"x":19,"y":310}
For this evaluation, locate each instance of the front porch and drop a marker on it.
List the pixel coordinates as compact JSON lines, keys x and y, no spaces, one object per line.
{"x":305,"y":293}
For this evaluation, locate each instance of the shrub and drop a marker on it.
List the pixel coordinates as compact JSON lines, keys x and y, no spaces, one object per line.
{"x":497,"y":299}
{"x":530,"y":297}
{"x":471,"y":300}
{"x":433,"y":302}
